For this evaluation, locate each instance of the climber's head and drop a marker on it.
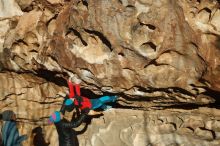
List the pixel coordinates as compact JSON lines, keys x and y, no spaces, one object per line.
{"x":69,"y":104}
{"x":55,"y":117}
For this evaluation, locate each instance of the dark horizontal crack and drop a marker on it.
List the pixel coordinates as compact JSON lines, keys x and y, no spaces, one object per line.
{"x":7,"y":96}
{"x":170,"y":50}
{"x":151,"y":44}
{"x":59,"y":78}
{"x":42,"y":102}
{"x":154,"y":62}
{"x":215,"y":95}
{"x":21,"y":41}
{"x":166,"y":90}
{"x":150,"y":26}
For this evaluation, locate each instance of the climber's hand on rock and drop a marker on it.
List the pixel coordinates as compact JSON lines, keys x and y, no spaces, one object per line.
{"x":92,"y":113}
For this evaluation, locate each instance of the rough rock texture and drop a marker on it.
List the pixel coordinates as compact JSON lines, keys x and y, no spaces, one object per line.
{"x":25,"y":92}
{"x":134,"y":47}
{"x":158,"y":54}
{"x":154,"y":128}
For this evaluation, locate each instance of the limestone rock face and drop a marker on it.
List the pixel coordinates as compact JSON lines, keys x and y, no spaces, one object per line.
{"x":118,"y":46}
{"x":9,"y":9}
{"x":30,"y":97}
{"x":157,"y":54}
{"x":141,"y":128}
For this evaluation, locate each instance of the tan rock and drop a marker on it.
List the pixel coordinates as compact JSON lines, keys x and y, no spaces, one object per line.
{"x":193,"y":123}
{"x":55,"y":1}
{"x":204,"y":134}
{"x":24,"y":3}
{"x":185,"y":131}
{"x":9,"y":9}
{"x":215,"y":20}
{"x":213,"y":125}
{"x":4,"y":27}
{"x":159,"y":54}
{"x":138,"y":51}
{"x":29,"y":96}
{"x":166,"y":128}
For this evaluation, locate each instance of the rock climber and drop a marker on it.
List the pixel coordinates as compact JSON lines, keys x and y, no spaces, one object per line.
{"x":85,"y":104}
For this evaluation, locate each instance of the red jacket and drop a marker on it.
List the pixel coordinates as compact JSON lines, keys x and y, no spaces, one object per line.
{"x":85,"y":102}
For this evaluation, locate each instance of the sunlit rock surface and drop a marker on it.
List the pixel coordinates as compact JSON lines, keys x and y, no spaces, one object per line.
{"x":9,"y":9}
{"x":159,"y":55}
{"x":153,"y":128}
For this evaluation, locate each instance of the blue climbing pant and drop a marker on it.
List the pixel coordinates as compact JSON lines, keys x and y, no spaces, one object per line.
{"x":100,"y":102}
{"x":10,"y":134}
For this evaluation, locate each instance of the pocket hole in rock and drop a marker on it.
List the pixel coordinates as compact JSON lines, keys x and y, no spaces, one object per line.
{"x":149,"y":46}
{"x":150,"y":26}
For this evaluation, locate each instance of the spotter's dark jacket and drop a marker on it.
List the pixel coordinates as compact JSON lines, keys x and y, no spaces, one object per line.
{"x":67,"y":135}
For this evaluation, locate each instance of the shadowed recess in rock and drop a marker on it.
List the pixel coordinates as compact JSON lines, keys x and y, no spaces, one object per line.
{"x":88,"y":93}
{"x":150,"y":26}
{"x":167,"y":90}
{"x":53,"y":76}
{"x":84,"y":2}
{"x":148,"y":45}
{"x":215,"y":95}
{"x":190,"y":106}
